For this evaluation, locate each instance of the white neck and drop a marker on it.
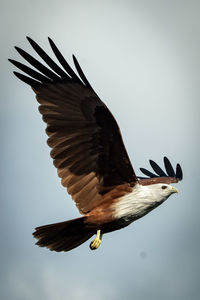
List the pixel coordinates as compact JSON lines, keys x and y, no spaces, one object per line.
{"x":140,"y":201}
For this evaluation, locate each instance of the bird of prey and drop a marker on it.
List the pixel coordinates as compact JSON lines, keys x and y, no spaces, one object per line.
{"x":89,"y":154}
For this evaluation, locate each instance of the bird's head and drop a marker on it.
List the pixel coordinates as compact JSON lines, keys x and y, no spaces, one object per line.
{"x":161,"y":191}
{"x":167,"y":189}
{"x":157,"y":193}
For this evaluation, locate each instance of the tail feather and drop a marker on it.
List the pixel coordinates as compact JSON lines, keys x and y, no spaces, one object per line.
{"x":63,"y":236}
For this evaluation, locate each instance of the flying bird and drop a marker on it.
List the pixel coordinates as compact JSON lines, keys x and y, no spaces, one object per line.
{"x":89,"y":154}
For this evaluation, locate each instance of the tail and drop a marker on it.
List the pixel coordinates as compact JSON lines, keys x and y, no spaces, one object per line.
{"x":63,"y":236}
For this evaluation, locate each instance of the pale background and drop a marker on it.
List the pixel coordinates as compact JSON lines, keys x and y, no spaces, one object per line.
{"x":142,"y":58}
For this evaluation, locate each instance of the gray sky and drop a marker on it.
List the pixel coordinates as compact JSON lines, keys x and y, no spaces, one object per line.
{"x":142,"y":58}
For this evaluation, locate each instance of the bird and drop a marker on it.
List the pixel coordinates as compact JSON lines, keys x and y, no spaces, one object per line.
{"x":89,"y":154}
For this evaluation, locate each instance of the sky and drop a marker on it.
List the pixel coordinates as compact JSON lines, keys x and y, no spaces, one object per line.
{"x":142,"y":59}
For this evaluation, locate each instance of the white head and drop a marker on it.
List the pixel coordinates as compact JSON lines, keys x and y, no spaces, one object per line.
{"x":142,"y":200}
{"x":160,"y":191}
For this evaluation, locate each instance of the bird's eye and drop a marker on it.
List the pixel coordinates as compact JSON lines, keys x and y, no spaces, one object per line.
{"x":164,"y":187}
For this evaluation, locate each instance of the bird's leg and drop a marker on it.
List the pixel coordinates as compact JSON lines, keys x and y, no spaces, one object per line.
{"x":97,"y":241}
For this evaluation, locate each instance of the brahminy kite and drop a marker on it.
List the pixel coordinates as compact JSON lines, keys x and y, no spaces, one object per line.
{"x":89,"y":154}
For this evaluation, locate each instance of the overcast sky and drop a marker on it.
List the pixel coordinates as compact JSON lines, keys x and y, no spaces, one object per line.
{"x":142,"y":58}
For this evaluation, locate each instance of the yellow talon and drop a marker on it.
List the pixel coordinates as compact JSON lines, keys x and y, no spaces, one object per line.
{"x":97,"y":241}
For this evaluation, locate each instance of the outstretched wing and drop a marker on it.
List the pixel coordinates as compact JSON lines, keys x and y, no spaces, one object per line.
{"x":167,"y":176}
{"x":87,"y":146}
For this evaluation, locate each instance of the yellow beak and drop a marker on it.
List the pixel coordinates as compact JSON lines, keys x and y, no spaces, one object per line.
{"x":174,"y":190}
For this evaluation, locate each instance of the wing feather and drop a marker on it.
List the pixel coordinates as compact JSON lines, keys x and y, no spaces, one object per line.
{"x":179,"y":172}
{"x":161,"y":176}
{"x":168,"y":167}
{"x":157,"y":169}
{"x":87,"y":147}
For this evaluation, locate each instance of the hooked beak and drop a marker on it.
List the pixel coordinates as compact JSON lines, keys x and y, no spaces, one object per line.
{"x":174,"y":190}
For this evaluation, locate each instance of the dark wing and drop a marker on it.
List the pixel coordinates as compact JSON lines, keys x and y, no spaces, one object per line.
{"x":86,"y":143}
{"x":167,"y":176}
